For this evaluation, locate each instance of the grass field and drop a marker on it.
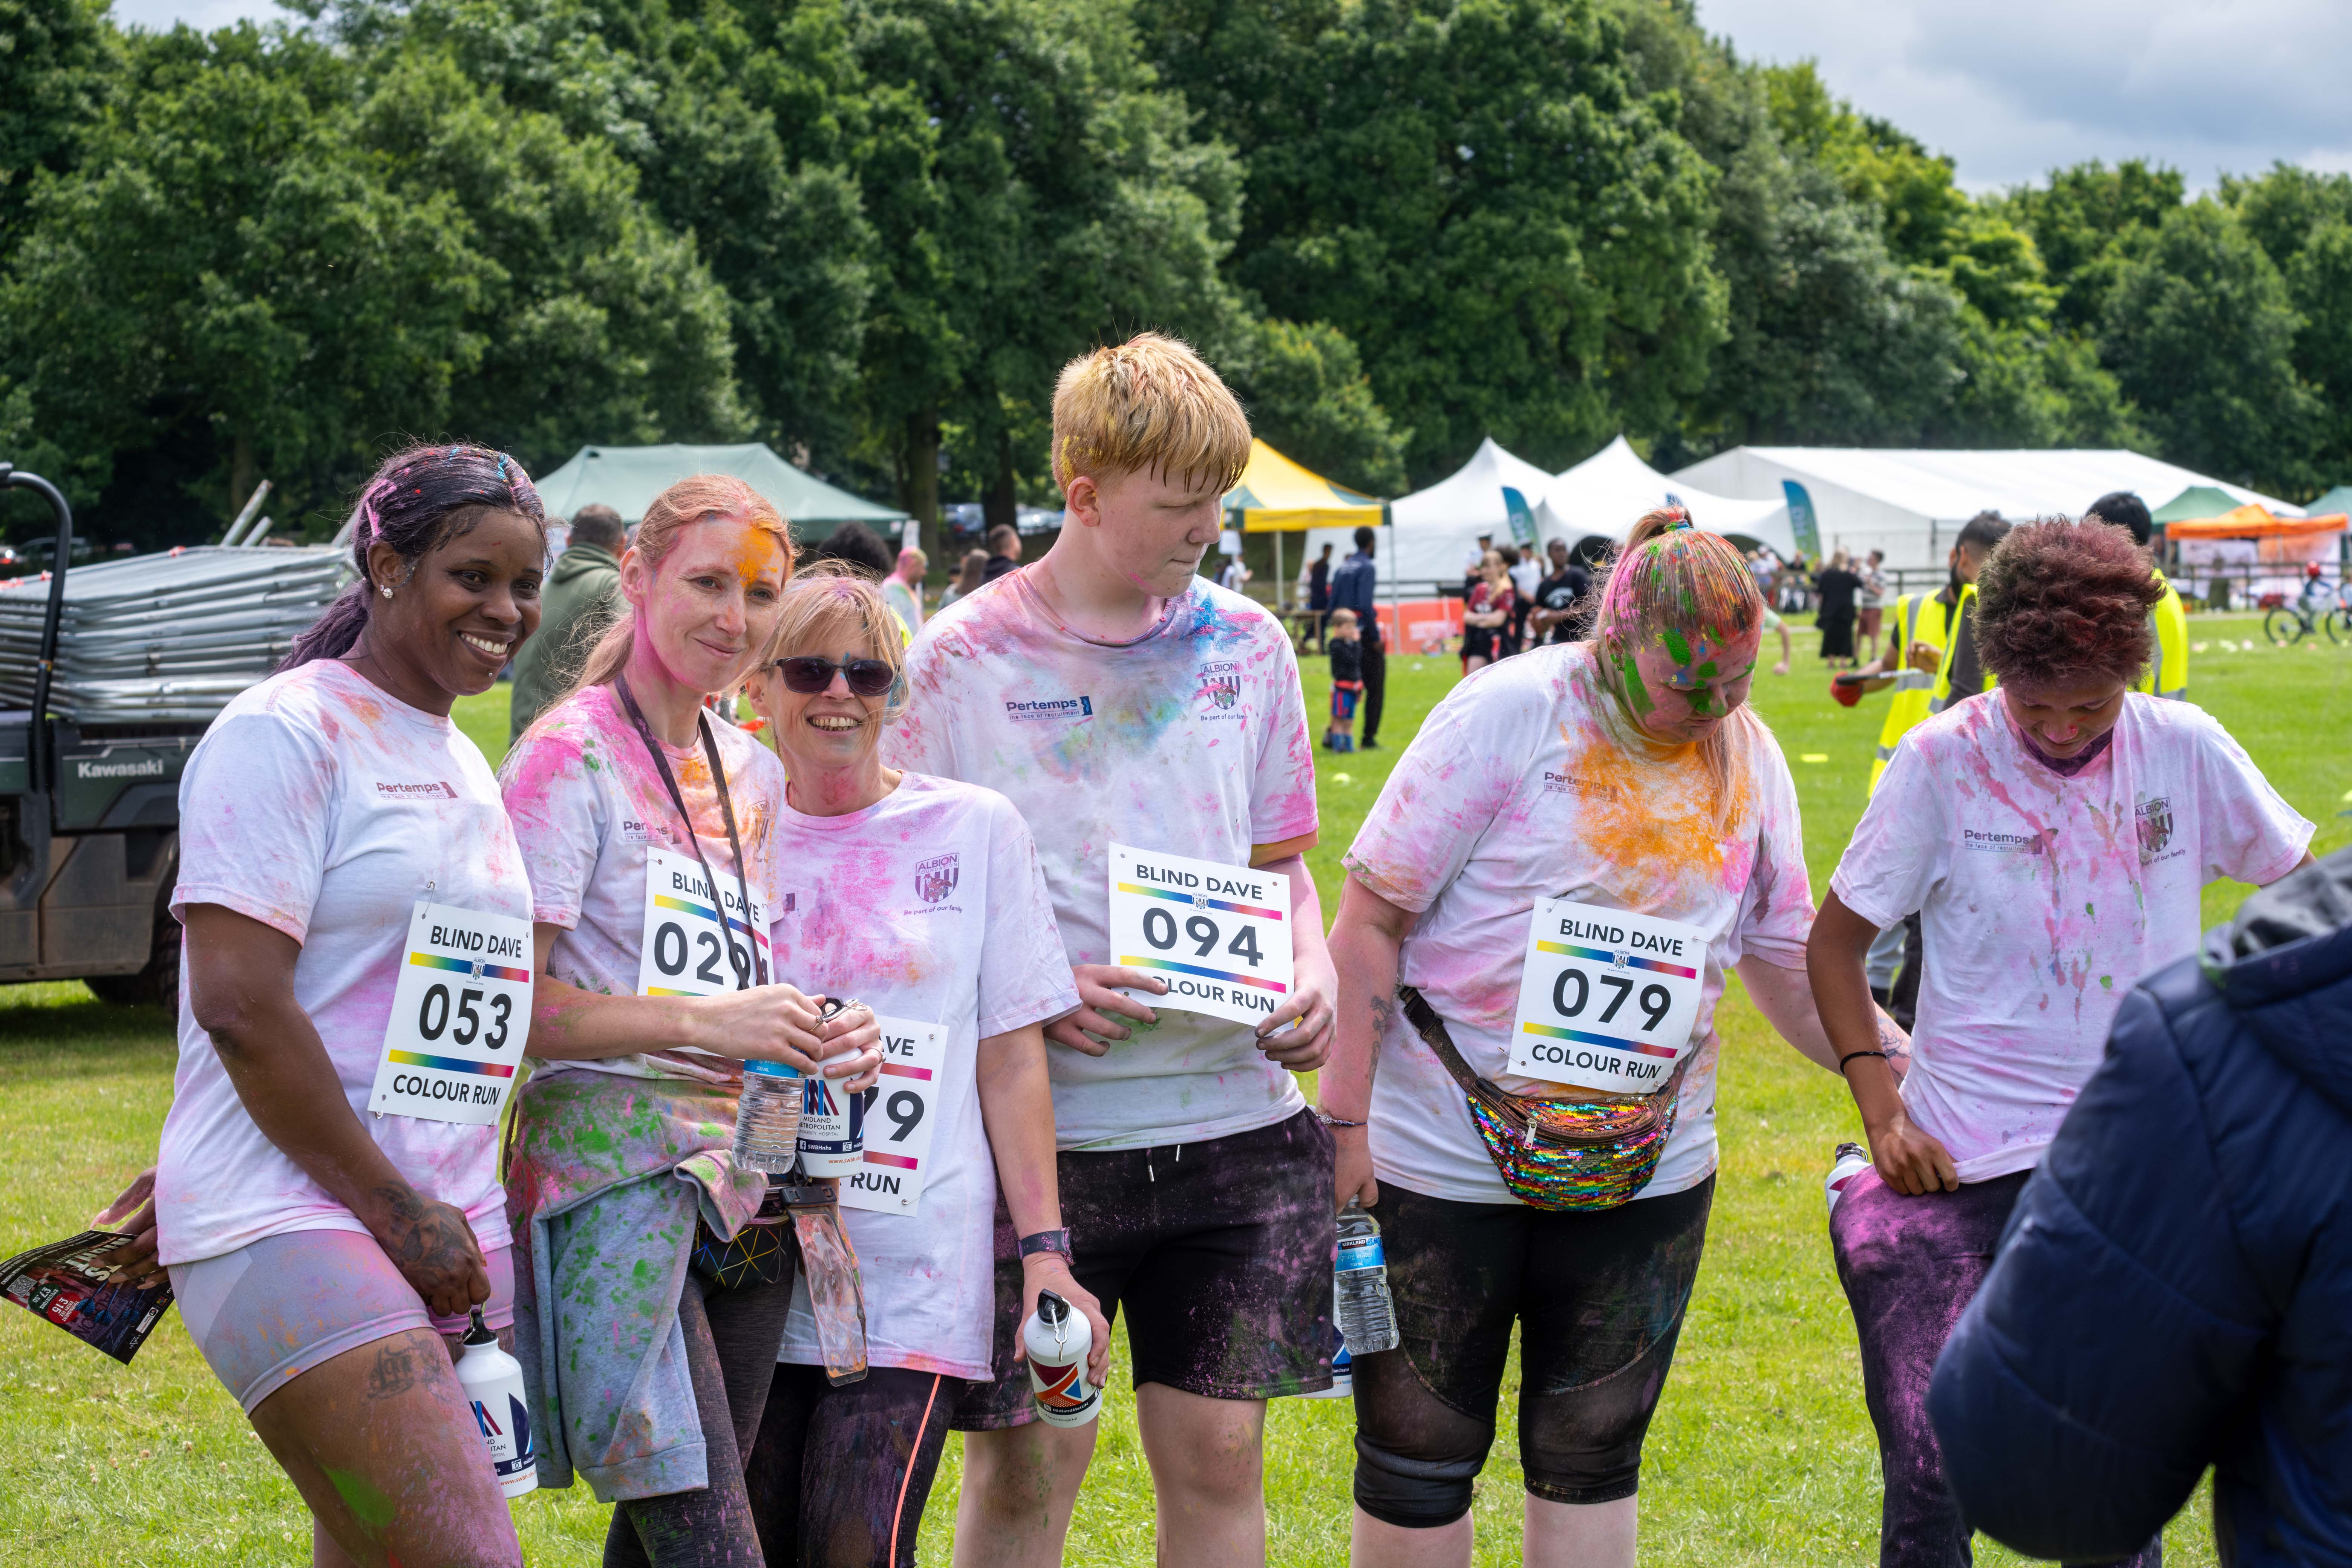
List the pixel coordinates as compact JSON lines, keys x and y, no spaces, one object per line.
{"x":1761,"y":1453}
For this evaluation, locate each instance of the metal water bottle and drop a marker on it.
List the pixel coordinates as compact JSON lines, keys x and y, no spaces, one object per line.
{"x":1850,"y":1160}
{"x":832,"y":1128}
{"x":1057,"y":1339}
{"x":493,"y":1384}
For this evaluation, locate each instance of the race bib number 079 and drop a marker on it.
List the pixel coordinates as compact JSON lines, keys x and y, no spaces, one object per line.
{"x":688,"y":951}
{"x":1608,"y":999}
{"x":460,"y":1013}
{"x":902,"y":1112}
{"x":1219,"y":936}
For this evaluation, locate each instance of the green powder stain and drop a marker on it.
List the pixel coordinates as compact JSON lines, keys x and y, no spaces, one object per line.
{"x":2091,"y":909}
{"x":1701,"y":702}
{"x":1706,"y":671}
{"x":1677,"y":647}
{"x":369,"y":1506}
{"x":2106,"y":982}
{"x":1637,"y":696}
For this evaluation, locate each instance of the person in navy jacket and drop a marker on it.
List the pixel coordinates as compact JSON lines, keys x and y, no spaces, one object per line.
{"x":2175,"y":1289}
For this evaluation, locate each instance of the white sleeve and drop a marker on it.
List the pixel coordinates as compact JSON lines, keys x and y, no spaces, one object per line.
{"x":2246,"y":831}
{"x":1025,"y":971}
{"x":919,"y":740}
{"x":1452,"y":781}
{"x":1776,"y":911}
{"x":1282,"y":794}
{"x":558,"y":820}
{"x":258,"y":808}
{"x":1899,"y":848}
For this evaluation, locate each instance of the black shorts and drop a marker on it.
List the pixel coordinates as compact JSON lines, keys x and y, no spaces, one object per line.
{"x":1599,"y":1299}
{"x":1220,"y":1252}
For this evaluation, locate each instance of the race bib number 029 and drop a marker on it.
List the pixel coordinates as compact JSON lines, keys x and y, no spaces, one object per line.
{"x":460,"y":1013}
{"x":901,"y":1113}
{"x":1608,"y":999}
{"x":1220,"y":935}
{"x":687,"y":951}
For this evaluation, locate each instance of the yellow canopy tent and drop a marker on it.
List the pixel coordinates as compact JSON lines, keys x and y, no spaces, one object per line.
{"x":1277,"y":496}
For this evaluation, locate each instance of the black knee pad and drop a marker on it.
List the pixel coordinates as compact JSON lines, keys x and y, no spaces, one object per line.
{"x":1413,"y":1493}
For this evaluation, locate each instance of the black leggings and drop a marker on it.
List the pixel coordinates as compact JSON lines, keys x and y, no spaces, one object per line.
{"x":1599,"y":1299}
{"x":878,"y":1444}
{"x":730,"y":1353}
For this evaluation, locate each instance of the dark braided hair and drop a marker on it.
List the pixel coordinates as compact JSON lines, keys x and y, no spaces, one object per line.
{"x":414,"y":503}
{"x":2061,"y":601}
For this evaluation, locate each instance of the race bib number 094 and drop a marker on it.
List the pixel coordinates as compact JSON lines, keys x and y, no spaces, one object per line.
{"x":1608,"y":999}
{"x":687,"y":951}
{"x":460,"y":1013}
{"x":902,"y":1112}
{"x":1220,"y":935}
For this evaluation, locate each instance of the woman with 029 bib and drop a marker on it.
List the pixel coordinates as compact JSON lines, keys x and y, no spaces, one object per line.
{"x":649,"y":1335}
{"x":327,"y":1195}
{"x":1531,"y":943}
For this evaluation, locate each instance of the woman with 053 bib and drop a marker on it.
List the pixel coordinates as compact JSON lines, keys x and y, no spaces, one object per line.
{"x":1537,"y":922}
{"x":327,"y":1194}
{"x":648,"y":827}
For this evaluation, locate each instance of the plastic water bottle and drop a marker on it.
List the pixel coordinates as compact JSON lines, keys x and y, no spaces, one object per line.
{"x":1850,"y":1160}
{"x":832,"y":1128}
{"x":1058,"y":1340}
{"x":493,"y":1384}
{"x":768,"y":1118}
{"x":1359,"y":1286}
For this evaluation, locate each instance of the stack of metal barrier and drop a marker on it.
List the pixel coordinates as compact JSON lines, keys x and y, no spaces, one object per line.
{"x":165,"y":638}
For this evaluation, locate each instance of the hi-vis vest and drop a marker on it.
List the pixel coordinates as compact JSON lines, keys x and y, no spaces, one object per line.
{"x":2167,"y":670}
{"x":1940,"y":697}
{"x":1913,"y":622}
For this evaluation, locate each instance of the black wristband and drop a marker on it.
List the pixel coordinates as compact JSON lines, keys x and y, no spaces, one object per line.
{"x":1047,"y":1241}
{"x":1857,"y":1055}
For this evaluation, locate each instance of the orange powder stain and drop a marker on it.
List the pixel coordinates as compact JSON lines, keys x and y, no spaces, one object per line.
{"x":1654,"y":823}
{"x":760,"y":558}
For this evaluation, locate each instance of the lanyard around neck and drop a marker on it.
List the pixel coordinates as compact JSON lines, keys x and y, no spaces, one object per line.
{"x":726,"y":812}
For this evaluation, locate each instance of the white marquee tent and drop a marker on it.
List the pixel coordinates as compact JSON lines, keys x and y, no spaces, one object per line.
{"x":1909,"y":503}
{"x":1608,"y":493}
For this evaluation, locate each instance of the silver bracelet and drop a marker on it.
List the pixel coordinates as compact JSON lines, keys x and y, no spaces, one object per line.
{"x":1329,"y":1120}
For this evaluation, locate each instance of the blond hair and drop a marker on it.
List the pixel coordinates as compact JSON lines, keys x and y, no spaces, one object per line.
{"x":691,"y":500}
{"x":1150,"y":405}
{"x":1670,"y":581}
{"x":831,"y":596}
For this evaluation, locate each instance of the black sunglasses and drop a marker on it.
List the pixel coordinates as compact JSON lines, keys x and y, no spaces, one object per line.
{"x":808,"y":675}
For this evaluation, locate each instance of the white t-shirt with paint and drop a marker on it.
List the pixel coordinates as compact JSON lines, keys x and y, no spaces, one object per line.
{"x":930,"y":907}
{"x":587,"y":805}
{"x":1192,"y":739}
{"x":2043,"y":898}
{"x":1525,"y":784}
{"x":323,"y":807}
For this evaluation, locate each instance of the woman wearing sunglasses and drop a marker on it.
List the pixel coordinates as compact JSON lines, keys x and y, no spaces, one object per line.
{"x":649,"y":830}
{"x":923,"y":896}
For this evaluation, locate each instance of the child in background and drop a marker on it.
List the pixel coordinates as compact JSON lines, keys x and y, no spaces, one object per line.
{"x":1347,"y":681}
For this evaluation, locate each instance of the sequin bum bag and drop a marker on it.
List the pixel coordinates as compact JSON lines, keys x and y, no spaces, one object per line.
{"x":1564,"y":1152}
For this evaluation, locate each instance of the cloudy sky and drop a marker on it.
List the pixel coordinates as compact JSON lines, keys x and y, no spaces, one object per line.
{"x":2009,"y":88}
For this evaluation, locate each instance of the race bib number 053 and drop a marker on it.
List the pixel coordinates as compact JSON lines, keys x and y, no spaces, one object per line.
{"x":1220,"y":935}
{"x":902,"y":1110}
{"x":687,"y":951}
{"x":1608,"y":999}
{"x":460,"y":1013}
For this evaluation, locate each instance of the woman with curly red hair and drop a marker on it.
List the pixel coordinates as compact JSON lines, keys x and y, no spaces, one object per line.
{"x":2055,"y":833}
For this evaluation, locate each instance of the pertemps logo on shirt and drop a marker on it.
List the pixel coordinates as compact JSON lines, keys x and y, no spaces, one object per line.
{"x":436,"y":790}
{"x":2003,"y":842}
{"x":636,"y":832}
{"x":1050,"y":708}
{"x":1219,"y":685}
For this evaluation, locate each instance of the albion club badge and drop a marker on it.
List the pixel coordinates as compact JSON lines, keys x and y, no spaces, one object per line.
{"x":2155,"y":827}
{"x":1220,"y":685}
{"x":935,"y":880}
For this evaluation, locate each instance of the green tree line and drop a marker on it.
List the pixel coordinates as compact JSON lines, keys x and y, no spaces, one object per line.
{"x":867,"y":232}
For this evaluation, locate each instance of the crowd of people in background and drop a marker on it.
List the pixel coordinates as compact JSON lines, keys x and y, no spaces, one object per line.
{"x":908,"y":874}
